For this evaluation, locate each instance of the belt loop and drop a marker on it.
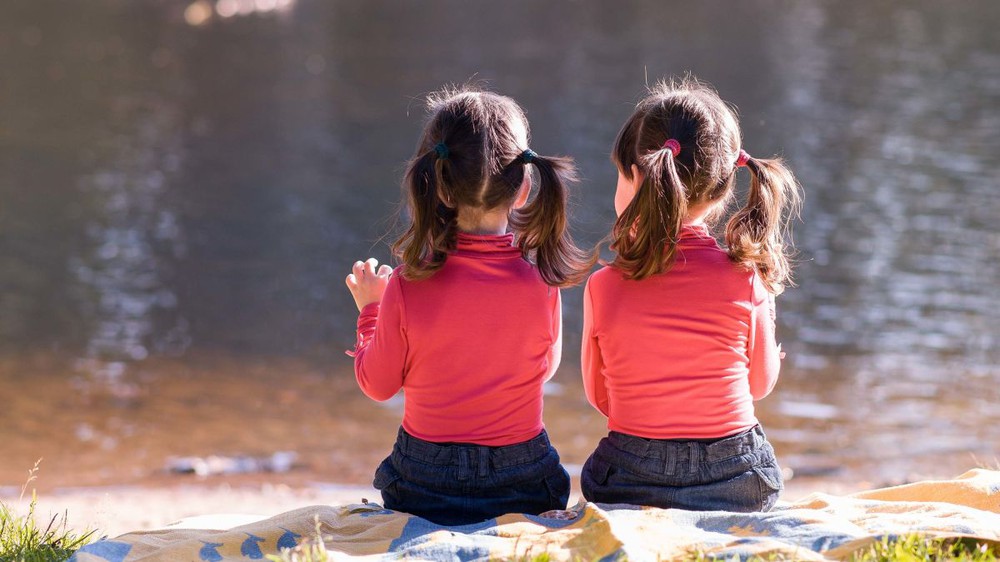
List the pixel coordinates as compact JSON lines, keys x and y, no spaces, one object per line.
{"x":669,"y":458}
{"x":694,"y":457}
{"x":463,"y":463}
{"x":402,"y":440}
{"x":484,"y":462}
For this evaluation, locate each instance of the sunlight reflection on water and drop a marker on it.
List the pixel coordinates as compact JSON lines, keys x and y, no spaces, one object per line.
{"x":191,"y":181}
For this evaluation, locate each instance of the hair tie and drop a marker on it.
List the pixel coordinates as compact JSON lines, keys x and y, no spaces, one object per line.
{"x":528,"y":156}
{"x":442,"y":150}
{"x":673,"y":146}
{"x":742,"y":159}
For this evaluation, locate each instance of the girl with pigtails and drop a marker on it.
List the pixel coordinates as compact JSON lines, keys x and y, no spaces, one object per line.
{"x":678,"y":337}
{"x":469,"y":326}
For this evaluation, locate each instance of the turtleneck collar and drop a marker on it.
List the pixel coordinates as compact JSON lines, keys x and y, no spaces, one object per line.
{"x":694,"y":231}
{"x":500,"y":245}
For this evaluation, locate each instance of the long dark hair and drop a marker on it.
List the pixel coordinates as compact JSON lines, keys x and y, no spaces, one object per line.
{"x":469,"y":155}
{"x":644,"y":238}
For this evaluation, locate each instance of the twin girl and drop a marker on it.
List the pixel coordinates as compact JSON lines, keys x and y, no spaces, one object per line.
{"x":678,"y":335}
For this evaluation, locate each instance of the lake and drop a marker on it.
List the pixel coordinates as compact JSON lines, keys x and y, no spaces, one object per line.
{"x":184,"y":186}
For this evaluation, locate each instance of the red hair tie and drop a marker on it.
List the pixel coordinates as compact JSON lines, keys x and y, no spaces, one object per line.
{"x":742,"y":159}
{"x":673,"y":145}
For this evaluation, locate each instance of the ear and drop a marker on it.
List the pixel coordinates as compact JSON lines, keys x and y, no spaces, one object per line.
{"x":626,"y":189}
{"x":637,"y":178}
{"x":523,"y":191}
{"x":443,"y":197}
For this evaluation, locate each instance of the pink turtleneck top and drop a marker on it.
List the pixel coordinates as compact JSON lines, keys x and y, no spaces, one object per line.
{"x":682,"y":354}
{"x":470,"y":346}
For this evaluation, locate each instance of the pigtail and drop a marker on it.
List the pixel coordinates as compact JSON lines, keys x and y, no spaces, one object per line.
{"x":756,"y":234}
{"x":432,"y":233}
{"x":645,"y":236}
{"x":542,"y":225}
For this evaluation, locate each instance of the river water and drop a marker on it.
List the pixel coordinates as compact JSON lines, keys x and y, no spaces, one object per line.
{"x":183,"y":187}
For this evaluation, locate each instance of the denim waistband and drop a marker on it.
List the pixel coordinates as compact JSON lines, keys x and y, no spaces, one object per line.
{"x":708,"y":451}
{"x":445,"y":454}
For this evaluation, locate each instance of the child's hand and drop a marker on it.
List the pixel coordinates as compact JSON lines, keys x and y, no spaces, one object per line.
{"x":366,"y":284}
{"x":781,"y":354}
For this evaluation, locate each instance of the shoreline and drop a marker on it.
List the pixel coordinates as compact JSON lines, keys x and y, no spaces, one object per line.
{"x":116,"y":510}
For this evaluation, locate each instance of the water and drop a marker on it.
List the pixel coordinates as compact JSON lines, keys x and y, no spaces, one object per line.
{"x":183,"y":187}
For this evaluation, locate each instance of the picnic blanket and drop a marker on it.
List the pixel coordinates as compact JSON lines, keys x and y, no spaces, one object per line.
{"x":818,"y":527}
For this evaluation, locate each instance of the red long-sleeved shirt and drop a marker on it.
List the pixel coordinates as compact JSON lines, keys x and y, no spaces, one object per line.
{"x":471,"y":346}
{"x":682,"y":354}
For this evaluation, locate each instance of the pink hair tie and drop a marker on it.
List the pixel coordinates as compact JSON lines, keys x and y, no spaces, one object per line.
{"x":674,"y":146}
{"x":742,"y":159}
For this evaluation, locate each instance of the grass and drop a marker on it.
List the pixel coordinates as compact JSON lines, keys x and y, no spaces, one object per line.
{"x":906,"y":548}
{"x":23,"y":540}
{"x":914,"y":548}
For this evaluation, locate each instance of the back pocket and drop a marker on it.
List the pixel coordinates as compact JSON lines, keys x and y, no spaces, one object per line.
{"x":596,"y":470}
{"x":385,"y":475}
{"x":558,"y":486}
{"x":770,"y":476}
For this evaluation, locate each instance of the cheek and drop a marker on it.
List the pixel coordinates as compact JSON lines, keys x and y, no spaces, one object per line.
{"x":624,"y":193}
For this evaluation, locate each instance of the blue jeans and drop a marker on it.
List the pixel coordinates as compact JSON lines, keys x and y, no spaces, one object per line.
{"x":458,"y":484}
{"x":736,"y":473}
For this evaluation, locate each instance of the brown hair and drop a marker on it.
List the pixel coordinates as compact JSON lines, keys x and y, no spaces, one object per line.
{"x":644,"y":237}
{"x":468,"y":155}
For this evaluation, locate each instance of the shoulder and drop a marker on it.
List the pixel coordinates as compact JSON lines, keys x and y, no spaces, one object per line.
{"x":604,"y":284}
{"x":605,"y":276}
{"x":759,"y":293}
{"x":397,"y":282}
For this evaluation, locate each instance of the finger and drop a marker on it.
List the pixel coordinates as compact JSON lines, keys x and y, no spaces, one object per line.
{"x":370,"y":266}
{"x":352,"y":281}
{"x":359,"y":268}
{"x":384,"y":271}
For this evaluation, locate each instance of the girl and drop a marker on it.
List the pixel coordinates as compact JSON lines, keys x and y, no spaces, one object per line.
{"x":470,"y":324}
{"x":678,"y":334}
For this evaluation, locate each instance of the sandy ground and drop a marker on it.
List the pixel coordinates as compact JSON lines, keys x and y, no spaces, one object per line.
{"x":118,"y":510}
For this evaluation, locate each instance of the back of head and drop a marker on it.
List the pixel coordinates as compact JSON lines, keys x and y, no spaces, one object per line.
{"x":473,"y":153}
{"x":685,"y":142}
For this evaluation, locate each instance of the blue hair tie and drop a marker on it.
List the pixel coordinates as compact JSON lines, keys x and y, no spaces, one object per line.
{"x":442,"y":150}
{"x":528,"y":156}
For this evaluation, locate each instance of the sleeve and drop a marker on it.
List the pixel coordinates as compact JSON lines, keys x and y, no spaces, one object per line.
{"x":591,"y":362}
{"x":380,"y":352}
{"x":763,"y":352}
{"x":555,"y":350}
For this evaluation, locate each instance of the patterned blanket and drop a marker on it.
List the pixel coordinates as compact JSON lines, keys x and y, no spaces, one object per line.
{"x":818,"y":527}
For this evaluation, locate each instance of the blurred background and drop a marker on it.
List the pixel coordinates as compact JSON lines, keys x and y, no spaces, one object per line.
{"x":184,"y":185}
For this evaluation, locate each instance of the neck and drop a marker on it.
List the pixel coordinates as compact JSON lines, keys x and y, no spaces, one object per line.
{"x":697,"y":214}
{"x":477,"y":221}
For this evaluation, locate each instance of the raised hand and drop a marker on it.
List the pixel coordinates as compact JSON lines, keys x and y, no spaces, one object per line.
{"x":368,"y":281}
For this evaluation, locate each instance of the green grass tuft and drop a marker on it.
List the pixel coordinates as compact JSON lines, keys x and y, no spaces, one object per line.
{"x":906,"y":548}
{"x":23,"y":540}
{"x":915,"y":547}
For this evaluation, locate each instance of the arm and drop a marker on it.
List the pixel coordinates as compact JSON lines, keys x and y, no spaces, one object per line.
{"x":555,"y":350}
{"x":380,"y":351}
{"x":591,"y":362}
{"x":764,"y":353}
